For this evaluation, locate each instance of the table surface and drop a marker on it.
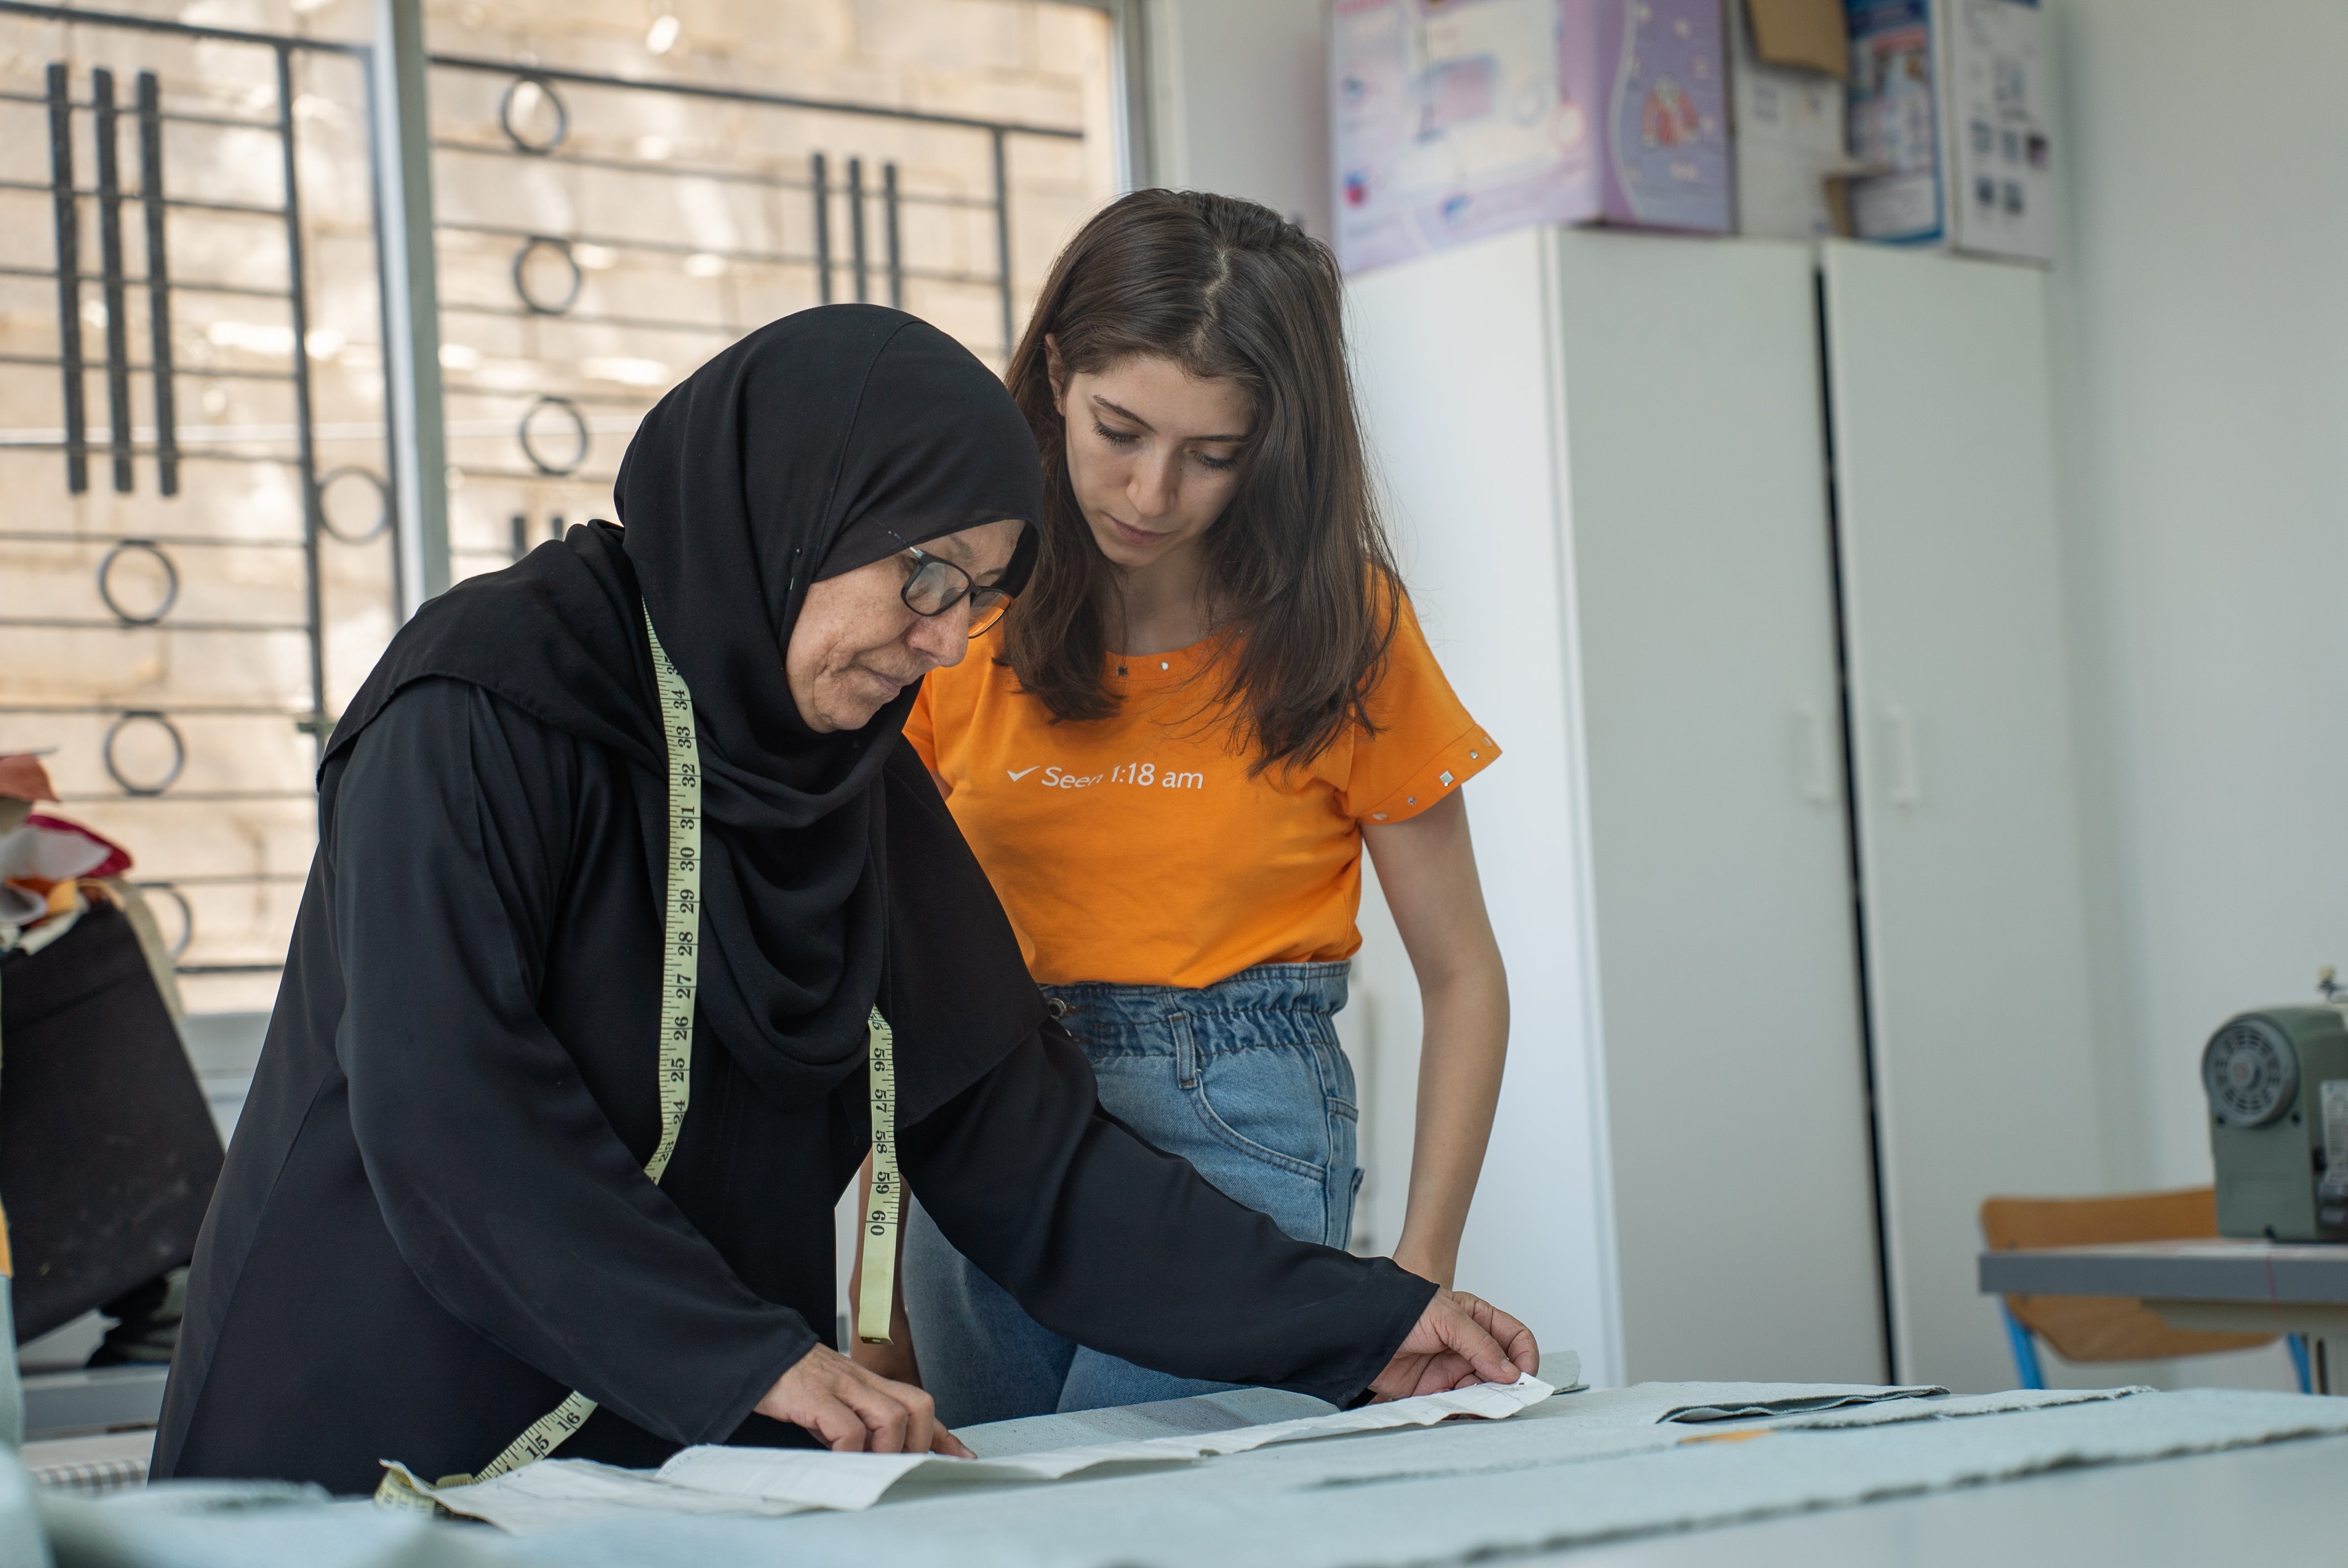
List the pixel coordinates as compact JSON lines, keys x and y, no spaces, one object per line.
{"x":2277,"y":1506}
{"x":2205,"y":1269}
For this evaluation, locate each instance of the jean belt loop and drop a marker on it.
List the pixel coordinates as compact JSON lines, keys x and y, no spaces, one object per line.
{"x":1186,"y":1050}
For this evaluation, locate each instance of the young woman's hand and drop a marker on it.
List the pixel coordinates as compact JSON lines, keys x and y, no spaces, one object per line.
{"x":857,"y":1412}
{"x":1461,"y":1340}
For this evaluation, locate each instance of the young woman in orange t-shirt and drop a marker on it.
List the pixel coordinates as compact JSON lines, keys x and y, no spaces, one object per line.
{"x":1170,"y":757}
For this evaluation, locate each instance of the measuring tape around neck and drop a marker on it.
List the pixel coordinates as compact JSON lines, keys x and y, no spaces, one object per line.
{"x":679,"y":974}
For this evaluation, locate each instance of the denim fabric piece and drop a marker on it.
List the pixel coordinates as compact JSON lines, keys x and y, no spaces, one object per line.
{"x":1244,"y":1078}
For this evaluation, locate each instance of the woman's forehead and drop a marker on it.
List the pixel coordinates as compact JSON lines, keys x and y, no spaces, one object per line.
{"x":1164,"y":394}
{"x":984,"y":548}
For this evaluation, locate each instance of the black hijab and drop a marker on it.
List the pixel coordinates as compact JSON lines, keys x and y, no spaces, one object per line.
{"x":811,"y":447}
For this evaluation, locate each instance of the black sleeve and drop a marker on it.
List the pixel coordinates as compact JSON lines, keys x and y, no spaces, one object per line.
{"x":501,"y":1181}
{"x":1123,"y":1247}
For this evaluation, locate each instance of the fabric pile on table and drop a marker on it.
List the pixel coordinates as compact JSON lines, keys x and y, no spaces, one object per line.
{"x":53,"y":870}
{"x":107,"y":1150}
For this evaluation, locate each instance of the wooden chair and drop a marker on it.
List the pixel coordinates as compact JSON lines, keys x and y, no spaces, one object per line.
{"x":2107,"y":1327}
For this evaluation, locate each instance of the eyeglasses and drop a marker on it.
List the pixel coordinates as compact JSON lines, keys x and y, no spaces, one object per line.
{"x":936,"y":585}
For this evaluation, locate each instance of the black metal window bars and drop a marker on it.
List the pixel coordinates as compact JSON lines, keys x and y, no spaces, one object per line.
{"x":71,"y":203}
{"x":552,"y":433}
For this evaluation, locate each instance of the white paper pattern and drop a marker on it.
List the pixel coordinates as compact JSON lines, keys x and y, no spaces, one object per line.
{"x":743,"y":1481}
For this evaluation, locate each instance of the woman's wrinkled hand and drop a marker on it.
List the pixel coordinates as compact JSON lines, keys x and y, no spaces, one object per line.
{"x":1461,"y":1340}
{"x":857,"y":1412}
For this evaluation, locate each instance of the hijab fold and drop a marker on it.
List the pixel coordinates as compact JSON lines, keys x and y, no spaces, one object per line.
{"x":811,"y":447}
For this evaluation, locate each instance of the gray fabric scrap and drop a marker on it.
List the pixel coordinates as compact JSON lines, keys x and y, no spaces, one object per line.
{"x":1955,"y":1409}
{"x":1762,"y":1401}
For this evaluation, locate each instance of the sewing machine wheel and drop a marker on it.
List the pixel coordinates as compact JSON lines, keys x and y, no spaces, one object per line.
{"x":2251,"y":1071}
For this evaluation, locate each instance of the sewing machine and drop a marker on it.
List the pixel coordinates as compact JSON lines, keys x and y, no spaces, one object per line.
{"x":2276,"y":1078}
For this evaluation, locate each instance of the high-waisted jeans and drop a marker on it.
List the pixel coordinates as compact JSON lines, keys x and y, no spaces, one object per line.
{"x":1244,"y":1078}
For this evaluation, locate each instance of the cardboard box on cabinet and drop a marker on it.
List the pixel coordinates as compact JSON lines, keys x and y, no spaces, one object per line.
{"x":1459,"y":118}
{"x":1789,"y":123}
{"x":1950,"y":107}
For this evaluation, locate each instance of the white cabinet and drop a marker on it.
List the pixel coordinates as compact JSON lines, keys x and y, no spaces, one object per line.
{"x":1607,"y":464}
{"x":1975,"y":935}
{"x":1703,"y":604}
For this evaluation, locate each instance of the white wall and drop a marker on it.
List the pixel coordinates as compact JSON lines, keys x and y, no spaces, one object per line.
{"x":2201,"y":370}
{"x":1240,"y":102}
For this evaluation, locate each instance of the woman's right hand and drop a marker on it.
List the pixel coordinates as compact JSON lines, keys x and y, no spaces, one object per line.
{"x":857,"y":1412}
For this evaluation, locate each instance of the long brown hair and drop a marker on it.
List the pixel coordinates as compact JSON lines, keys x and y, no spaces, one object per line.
{"x":1297,"y":568}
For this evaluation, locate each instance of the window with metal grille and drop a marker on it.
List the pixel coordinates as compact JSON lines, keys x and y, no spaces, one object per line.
{"x":197,"y":551}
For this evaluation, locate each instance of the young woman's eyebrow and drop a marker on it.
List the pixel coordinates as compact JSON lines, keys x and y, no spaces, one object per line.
{"x":1124,"y":413}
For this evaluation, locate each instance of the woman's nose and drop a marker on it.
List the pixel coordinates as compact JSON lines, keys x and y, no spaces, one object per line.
{"x":943,"y":638}
{"x":1152,"y":490}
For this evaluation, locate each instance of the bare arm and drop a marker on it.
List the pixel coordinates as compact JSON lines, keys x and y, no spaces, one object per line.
{"x":895,"y":1360}
{"x":1428,"y":867}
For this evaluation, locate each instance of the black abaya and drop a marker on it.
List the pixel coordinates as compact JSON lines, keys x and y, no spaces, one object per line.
{"x":434,"y":1221}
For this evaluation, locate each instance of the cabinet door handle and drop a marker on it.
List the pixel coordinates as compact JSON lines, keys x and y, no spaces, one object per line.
{"x":1899,"y":740}
{"x":1817,"y":752}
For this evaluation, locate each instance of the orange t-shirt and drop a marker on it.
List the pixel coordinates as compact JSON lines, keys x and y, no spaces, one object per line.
{"x":1137,"y":849}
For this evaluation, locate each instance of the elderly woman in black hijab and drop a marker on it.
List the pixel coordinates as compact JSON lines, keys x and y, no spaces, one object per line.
{"x":621,"y":866}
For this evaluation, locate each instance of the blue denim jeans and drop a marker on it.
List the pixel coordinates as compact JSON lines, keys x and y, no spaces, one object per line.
{"x":1243,"y":1079}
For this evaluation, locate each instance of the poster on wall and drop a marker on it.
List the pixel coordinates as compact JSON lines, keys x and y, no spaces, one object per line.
{"x":2002,"y":195}
{"x":1950,"y":110}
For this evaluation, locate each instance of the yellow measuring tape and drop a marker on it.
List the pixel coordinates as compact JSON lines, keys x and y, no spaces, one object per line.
{"x":877,"y":1294}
